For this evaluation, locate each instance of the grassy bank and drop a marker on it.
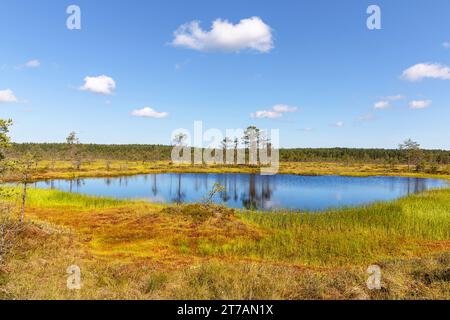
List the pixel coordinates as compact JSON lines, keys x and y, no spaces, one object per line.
{"x":136,"y":250}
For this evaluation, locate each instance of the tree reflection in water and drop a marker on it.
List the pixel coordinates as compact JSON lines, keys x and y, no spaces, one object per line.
{"x":415,"y":185}
{"x":180,"y":194}
{"x":251,"y":191}
{"x":254,"y":198}
{"x":154,"y":186}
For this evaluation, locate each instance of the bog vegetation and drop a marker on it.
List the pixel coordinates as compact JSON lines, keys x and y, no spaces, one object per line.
{"x":138,"y":250}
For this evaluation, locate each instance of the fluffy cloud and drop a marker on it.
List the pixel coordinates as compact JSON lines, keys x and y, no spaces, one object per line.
{"x":446,"y":45}
{"x":276,"y":112}
{"x":339,"y":124}
{"x":33,"y":64}
{"x":426,"y":70}
{"x":251,"y":33}
{"x":149,"y":113}
{"x":7,"y":96}
{"x":385,"y":102}
{"x":101,"y":84}
{"x":382,"y":105}
{"x":420,"y":104}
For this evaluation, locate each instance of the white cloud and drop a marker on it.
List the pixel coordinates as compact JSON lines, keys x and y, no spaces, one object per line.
{"x":395,"y":97}
{"x":426,"y":70}
{"x":307,"y":129}
{"x":382,"y":105}
{"x":266,"y":114}
{"x":366,"y":117}
{"x":276,"y":112}
{"x":446,"y":45}
{"x":7,"y":96}
{"x":420,"y":104}
{"x":30,"y":64}
{"x":149,"y":113}
{"x":101,"y":84}
{"x":281,"y":108}
{"x":180,"y":65}
{"x":339,"y":124}
{"x":251,"y":33}
{"x":33,"y":64}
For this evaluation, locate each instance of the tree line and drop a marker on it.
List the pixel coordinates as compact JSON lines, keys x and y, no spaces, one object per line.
{"x":75,"y":151}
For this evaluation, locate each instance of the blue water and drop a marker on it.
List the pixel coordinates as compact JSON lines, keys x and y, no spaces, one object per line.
{"x":251,"y":191}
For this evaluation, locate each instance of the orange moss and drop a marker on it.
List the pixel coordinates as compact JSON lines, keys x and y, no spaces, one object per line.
{"x":143,"y":232}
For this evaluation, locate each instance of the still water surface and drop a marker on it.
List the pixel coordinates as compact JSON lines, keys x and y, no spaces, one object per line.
{"x":251,"y":191}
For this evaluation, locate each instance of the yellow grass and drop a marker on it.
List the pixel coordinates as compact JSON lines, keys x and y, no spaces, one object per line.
{"x":102,"y":168}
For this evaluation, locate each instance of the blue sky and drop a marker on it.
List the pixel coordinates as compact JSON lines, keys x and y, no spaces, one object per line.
{"x":317,"y":59}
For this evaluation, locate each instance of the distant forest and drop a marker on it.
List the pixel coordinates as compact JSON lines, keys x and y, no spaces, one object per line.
{"x":144,"y":153}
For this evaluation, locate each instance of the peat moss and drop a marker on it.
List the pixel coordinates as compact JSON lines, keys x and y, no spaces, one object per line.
{"x":201,"y":212}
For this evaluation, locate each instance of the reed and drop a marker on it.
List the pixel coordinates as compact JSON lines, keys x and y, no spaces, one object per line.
{"x":43,"y":198}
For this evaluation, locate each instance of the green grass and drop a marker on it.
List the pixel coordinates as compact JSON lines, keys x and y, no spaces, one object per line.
{"x":424,"y":216}
{"x":346,"y":236}
{"x":44,"y":198}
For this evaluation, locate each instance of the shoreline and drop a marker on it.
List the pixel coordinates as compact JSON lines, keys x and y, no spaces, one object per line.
{"x":93,"y":170}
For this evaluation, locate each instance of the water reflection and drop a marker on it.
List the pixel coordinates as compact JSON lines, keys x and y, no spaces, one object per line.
{"x":73,"y":185}
{"x":416,"y":185}
{"x":251,"y":191}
